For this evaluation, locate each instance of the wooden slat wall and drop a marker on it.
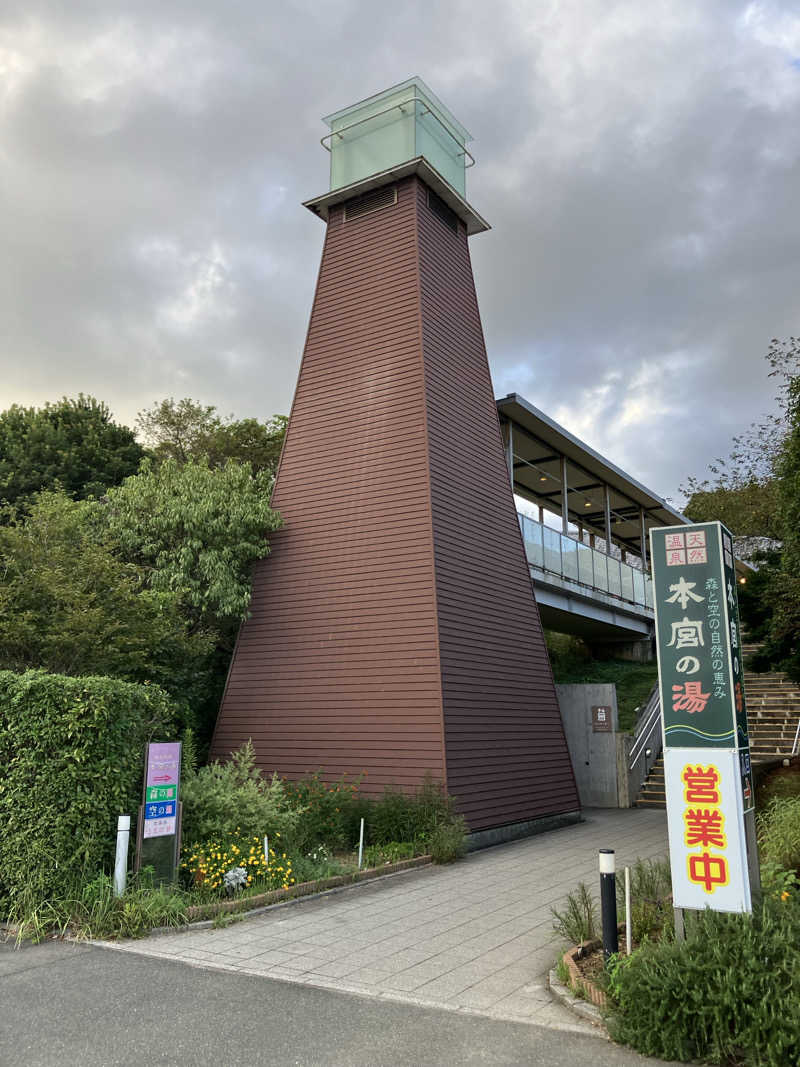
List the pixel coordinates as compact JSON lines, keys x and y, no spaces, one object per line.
{"x":393,"y":628}
{"x":338,"y":667}
{"x":506,"y":753}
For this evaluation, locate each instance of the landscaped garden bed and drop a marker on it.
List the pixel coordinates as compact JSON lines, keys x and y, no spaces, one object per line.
{"x":727,"y":994}
{"x":248,"y":842}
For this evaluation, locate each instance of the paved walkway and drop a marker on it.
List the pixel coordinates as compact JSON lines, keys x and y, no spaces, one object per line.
{"x":474,"y":937}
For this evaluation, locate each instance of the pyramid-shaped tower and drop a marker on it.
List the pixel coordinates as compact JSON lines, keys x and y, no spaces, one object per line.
{"x":393,"y":628}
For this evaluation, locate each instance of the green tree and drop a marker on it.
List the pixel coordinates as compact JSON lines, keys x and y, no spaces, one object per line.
{"x":196,"y":530}
{"x":742,"y":489}
{"x":184,"y":429}
{"x":779,"y":608}
{"x":73,"y":444}
{"x":70,"y":605}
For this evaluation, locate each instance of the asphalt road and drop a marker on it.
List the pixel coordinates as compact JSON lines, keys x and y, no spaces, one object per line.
{"x":70,"y":1004}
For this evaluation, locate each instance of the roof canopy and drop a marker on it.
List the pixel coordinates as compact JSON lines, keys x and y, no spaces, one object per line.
{"x":543,"y":451}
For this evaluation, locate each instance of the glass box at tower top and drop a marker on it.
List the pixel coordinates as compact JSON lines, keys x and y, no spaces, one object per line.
{"x":393,"y":127}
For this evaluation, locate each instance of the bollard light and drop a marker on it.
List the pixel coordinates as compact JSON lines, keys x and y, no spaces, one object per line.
{"x":608,"y":902}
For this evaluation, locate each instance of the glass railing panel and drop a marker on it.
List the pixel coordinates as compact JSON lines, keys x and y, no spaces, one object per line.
{"x":600,"y":569}
{"x":638,"y":587}
{"x":626,"y":573}
{"x":585,"y":570}
{"x":614,"y":581}
{"x":569,"y":558}
{"x":648,"y":592}
{"x":532,"y":535}
{"x":552,"y":550}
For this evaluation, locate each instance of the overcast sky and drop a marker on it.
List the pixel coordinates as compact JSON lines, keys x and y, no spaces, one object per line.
{"x":638,"y":161}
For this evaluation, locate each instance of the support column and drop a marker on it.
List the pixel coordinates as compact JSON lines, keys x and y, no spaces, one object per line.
{"x":510,"y":452}
{"x":643,"y":535}
{"x":564,"y":496}
{"x":607,"y":508}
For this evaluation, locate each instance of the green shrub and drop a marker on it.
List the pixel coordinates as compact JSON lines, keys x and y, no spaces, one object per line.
{"x":578,"y":921}
{"x":391,"y":817}
{"x":72,"y":753}
{"x":777,"y":882}
{"x":729,"y":993}
{"x":393,"y":852}
{"x":651,"y":908}
{"x":223,"y":800}
{"x":329,"y":813}
{"x":779,"y":832}
{"x":396,"y":816}
{"x":447,"y":841}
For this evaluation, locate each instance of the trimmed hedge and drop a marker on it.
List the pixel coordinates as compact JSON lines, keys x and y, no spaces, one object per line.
{"x":71,"y":752}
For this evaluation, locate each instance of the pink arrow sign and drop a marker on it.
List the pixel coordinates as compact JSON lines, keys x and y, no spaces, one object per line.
{"x":163,"y":762}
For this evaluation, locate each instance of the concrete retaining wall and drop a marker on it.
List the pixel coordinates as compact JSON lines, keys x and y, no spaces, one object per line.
{"x":594,"y":753}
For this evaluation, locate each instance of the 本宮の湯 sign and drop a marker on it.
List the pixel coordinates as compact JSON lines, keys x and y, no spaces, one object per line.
{"x":707,"y":768}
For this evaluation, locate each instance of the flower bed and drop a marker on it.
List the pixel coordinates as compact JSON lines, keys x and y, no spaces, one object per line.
{"x":196,"y":912}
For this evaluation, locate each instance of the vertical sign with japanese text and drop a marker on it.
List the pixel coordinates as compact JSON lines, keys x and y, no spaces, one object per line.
{"x":162,"y":782}
{"x":706,"y":744}
{"x":159,"y":830}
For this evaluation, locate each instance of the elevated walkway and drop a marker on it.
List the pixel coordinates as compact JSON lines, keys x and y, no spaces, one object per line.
{"x":589,"y":559}
{"x":583,"y":590}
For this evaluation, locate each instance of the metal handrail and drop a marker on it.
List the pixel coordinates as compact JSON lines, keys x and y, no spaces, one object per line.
{"x":402,"y":107}
{"x":651,"y":718}
{"x":796,"y":744}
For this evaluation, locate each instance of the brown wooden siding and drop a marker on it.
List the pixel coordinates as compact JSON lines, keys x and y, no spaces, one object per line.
{"x":506,"y":753}
{"x":393,"y":628}
{"x":338,"y":669}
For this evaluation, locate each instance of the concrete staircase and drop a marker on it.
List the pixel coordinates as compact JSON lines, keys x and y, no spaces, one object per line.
{"x":773,"y":711}
{"x":652,"y":793}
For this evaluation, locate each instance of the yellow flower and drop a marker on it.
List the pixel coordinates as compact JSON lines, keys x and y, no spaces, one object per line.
{"x":785,"y":894}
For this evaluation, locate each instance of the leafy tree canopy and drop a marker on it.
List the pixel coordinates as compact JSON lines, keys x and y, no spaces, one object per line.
{"x":742,"y":489}
{"x":73,"y":443}
{"x":70,"y":605}
{"x":184,"y":429}
{"x":196,"y":530}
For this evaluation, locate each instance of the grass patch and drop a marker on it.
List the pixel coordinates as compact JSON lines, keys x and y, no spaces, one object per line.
{"x":778,"y":783}
{"x":573,"y":664}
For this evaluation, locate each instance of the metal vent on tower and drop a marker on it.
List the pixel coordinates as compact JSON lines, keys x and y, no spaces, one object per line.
{"x":374,"y":200}
{"x":445,"y":213}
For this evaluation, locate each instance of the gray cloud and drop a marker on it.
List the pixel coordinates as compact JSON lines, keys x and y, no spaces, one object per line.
{"x":638,"y":163}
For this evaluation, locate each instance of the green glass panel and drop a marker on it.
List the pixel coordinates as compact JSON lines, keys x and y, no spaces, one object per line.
{"x":393,"y":127}
{"x":569,"y":558}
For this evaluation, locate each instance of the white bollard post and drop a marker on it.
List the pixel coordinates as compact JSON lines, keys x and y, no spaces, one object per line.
{"x":121,"y":860}
{"x":628,"y":938}
{"x":361,"y":844}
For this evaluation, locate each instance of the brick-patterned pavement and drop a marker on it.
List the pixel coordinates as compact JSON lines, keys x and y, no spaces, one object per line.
{"x":476,"y":936}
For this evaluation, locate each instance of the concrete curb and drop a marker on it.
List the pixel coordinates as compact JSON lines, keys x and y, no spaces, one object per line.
{"x":577,"y":1006}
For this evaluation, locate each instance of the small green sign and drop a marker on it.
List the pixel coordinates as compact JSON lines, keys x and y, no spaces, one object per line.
{"x":161,"y":792}
{"x":697,"y":630}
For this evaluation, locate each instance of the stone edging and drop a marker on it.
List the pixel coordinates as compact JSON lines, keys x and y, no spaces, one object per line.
{"x":589,"y":989}
{"x":245,"y":905}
